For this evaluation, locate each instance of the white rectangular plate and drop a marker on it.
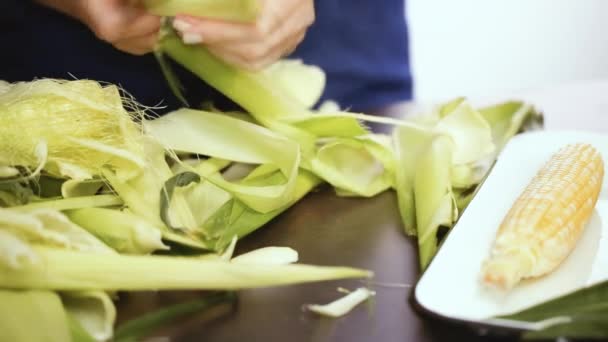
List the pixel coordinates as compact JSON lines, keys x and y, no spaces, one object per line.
{"x":451,"y":286}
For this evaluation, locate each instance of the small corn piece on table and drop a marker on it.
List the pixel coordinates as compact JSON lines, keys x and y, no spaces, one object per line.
{"x":548,"y":218}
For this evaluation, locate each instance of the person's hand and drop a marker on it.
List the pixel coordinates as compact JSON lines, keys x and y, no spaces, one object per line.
{"x":119,"y":22}
{"x":280,"y":27}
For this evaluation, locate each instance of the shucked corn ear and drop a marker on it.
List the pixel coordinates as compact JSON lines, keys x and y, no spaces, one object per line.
{"x":548,"y":218}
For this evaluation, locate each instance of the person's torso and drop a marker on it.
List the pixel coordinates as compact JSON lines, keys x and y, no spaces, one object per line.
{"x":361,"y":45}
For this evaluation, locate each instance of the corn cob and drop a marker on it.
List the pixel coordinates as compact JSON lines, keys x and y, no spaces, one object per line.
{"x":548,"y":218}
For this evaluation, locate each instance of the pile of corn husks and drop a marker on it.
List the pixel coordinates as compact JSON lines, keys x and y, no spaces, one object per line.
{"x":96,"y":197}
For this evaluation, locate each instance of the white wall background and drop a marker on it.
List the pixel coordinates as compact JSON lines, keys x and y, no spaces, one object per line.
{"x":489,"y":47}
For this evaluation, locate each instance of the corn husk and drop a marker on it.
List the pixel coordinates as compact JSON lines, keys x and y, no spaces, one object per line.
{"x":236,"y":10}
{"x":68,"y":270}
{"x":32,"y":316}
{"x":82,"y":125}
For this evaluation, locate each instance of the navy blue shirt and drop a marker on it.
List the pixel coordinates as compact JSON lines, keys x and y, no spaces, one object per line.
{"x":361,"y":45}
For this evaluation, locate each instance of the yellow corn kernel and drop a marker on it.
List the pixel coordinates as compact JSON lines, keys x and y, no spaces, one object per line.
{"x":548,"y":218}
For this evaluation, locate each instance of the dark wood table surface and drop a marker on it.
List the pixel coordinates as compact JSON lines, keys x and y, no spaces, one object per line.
{"x":328,"y":230}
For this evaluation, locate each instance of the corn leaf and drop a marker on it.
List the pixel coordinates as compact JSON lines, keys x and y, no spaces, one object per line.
{"x":357,"y":165}
{"x":344,"y":305}
{"x":78,"y":333}
{"x":68,"y":270}
{"x":229,"y":251}
{"x":141,"y":194}
{"x":14,"y":252}
{"x":463,"y":197}
{"x":32,"y":316}
{"x":123,"y":231}
{"x":447,"y":108}
{"x":166,"y":195}
{"x":191,"y":203}
{"x":71,"y":203}
{"x":507,"y":119}
{"x":268,"y":256}
{"x":301,"y":81}
{"x":255,"y":92}
{"x":470,"y":132}
{"x":468,"y":175}
{"x":433,"y":196}
{"x":237,"y":219}
{"x":586,"y":311}
{"x":411,"y":144}
{"x":173,"y":81}
{"x":227,"y":138}
{"x":200,"y":200}
{"x":330,"y":125}
{"x":51,"y":228}
{"x":203,"y":201}
{"x":237,"y":10}
{"x":93,"y":310}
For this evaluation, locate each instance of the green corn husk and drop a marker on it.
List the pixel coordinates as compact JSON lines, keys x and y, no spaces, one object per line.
{"x":359,"y":166}
{"x":507,"y":119}
{"x":268,"y":256}
{"x":342,"y":306}
{"x":583,"y":314}
{"x":51,"y":228}
{"x":82,"y":125}
{"x":124,"y":232}
{"x":253,"y":91}
{"x":236,"y":219}
{"x":352,"y":168}
{"x":470,"y":132}
{"x":410,"y":145}
{"x":201,"y":199}
{"x":236,"y":10}
{"x":66,"y":270}
{"x":330,"y":125}
{"x":141,"y":194}
{"x":301,"y":81}
{"x":258,"y":93}
{"x":32,"y":316}
{"x":72,"y":203}
{"x":94,"y":312}
{"x":14,"y":251}
{"x":435,"y":205}
{"x":78,"y":333}
{"x":223,"y":137}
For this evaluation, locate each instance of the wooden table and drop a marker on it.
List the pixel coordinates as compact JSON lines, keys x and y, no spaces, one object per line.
{"x":366,"y":233}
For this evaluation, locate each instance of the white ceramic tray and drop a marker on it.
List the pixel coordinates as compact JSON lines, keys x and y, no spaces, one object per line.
{"x":450,"y":287}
